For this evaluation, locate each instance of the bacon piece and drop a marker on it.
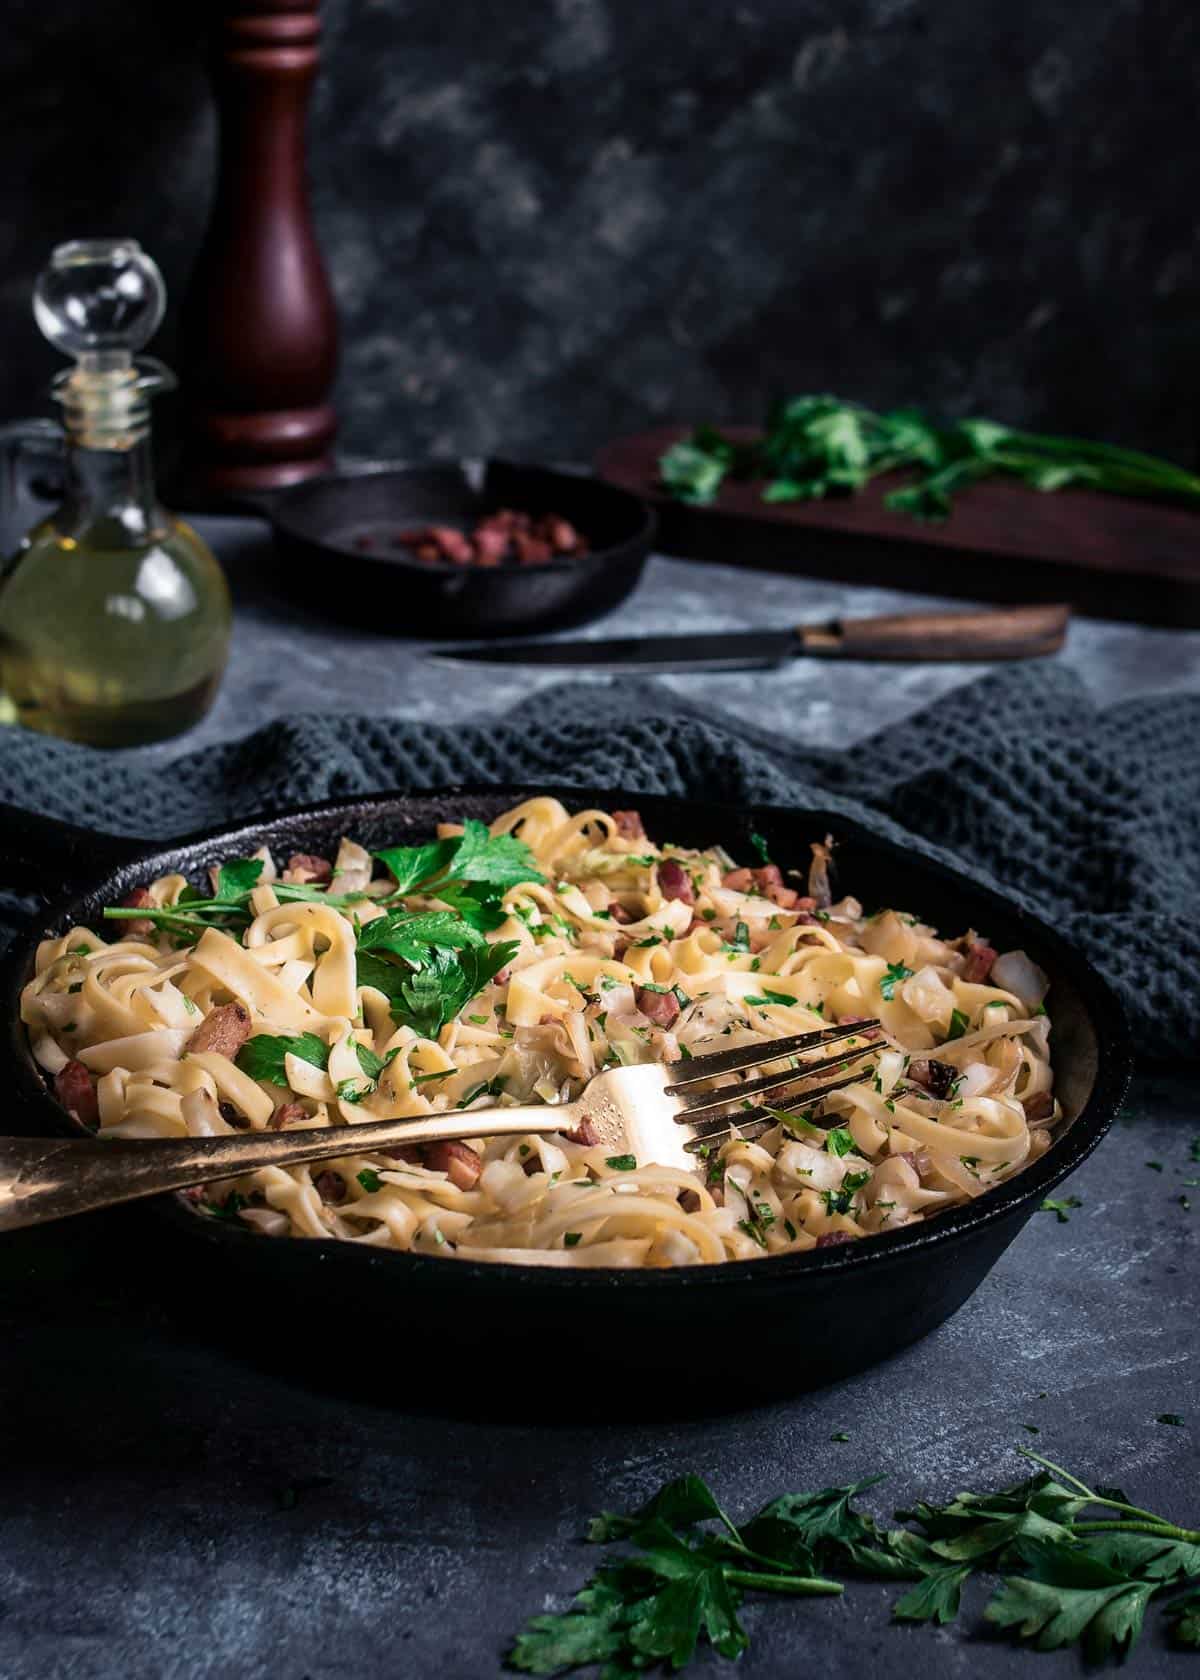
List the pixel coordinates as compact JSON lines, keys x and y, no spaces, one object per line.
{"x":830,"y":1239}
{"x":618,"y":913}
{"x":458,"y":1160}
{"x":491,"y":545}
{"x":933,"y":1076}
{"x":584,"y":1134}
{"x":452,"y":544}
{"x":867,"y":1032}
{"x":629,"y":825}
{"x":1039,"y":1107}
{"x":531,"y":551}
{"x":286,"y":1113}
{"x":304,"y":867}
{"x":75,"y":1090}
{"x":738,"y":880}
{"x":560,"y":534}
{"x":689,"y":1201}
{"x":675,"y":882}
{"x":410,"y":1153}
{"x":330,"y":1186}
{"x":139,"y":927}
{"x":223,"y":1030}
{"x":977,"y":964}
{"x":660,"y":1007}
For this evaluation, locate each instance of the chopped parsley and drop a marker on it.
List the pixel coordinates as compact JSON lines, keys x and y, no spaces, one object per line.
{"x":891,"y":978}
{"x":958,"y":1024}
{"x":1061,"y":1208}
{"x":370,"y":1180}
{"x":760,"y":846}
{"x":842,"y":1200}
{"x":571,"y":1239}
{"x":839,"y":1142}
{"x":621,"y":1163}
{"x":486,"y":1088}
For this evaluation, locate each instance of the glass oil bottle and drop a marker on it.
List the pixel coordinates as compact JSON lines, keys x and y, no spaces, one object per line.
{"x":114,"y":615}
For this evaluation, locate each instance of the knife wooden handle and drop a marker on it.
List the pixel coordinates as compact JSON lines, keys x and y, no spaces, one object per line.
{"x":1007,"y":633}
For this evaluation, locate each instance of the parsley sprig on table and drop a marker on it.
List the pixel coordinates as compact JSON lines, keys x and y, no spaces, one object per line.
{"x":1066,"y":1576}
{"x":817,"y":446}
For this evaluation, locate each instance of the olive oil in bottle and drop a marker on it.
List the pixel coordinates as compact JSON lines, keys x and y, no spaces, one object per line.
{"x":114,"y":615}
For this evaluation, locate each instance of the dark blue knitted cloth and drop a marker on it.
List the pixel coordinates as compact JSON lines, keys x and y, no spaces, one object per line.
{"x":1090,"y":816}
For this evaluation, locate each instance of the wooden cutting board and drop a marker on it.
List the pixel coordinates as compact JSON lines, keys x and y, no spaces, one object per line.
{"x":1110,"y":556}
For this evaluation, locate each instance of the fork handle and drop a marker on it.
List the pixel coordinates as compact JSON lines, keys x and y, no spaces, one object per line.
{"x":49,"y":1178}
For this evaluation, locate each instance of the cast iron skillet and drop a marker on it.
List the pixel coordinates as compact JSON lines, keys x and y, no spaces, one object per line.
{"x":334,"y":544}
{"x":721,"y":1333}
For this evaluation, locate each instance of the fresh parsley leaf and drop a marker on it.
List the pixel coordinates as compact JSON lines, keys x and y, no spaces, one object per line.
{"x":1068,"y":1595}
{"x":958,"y":1024}
{"x":499,"y":860}
{"x":935,"y":1598}
{"x":838,"y":1141}
{"x":237,"y":878}
{"x":681,"y":1503}
{"x":760,"y":846}
{"x":893,"y":975}
{"x":409,"y":934}
{"x":411,"y":866}
{"x":261,"y":1057}
{"x":621,"y":1163}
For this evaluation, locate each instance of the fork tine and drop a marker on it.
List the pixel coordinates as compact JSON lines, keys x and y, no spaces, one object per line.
{"x":756,"y":1055}
{"x":758,"y":1117}
{"x":702,"y":1105}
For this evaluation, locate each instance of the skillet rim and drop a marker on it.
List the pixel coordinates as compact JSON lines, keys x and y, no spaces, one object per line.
{"x":1103,"y":1009}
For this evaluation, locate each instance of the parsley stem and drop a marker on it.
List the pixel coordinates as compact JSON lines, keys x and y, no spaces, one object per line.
{"x":1159,"y":1528}
{"x":1093,"y":1497}
{"x":799,"y":1584}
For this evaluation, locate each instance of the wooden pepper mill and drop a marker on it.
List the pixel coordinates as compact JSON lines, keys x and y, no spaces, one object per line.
{"x":258,"y":329}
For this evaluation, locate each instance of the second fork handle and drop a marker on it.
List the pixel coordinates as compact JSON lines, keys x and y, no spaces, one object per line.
{"x":51,"y":1178}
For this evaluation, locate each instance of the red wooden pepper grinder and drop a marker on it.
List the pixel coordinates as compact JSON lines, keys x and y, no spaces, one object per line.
{"x":259,"y":330}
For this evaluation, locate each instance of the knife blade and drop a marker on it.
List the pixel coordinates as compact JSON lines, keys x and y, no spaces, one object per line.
{"x":1007,"y":633}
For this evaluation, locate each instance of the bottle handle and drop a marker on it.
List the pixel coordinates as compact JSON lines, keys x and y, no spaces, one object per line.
{"x":27,"y":491}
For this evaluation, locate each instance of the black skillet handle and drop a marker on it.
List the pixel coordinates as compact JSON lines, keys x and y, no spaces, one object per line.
{"x":51,"y":859}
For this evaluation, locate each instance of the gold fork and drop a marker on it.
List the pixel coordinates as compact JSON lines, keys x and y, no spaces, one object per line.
{"x":654,"y":1112}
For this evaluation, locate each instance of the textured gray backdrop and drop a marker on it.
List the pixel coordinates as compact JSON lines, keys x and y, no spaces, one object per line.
{"x":553,"y":220}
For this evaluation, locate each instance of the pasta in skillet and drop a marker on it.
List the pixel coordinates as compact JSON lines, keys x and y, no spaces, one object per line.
{"x":508,"y":965}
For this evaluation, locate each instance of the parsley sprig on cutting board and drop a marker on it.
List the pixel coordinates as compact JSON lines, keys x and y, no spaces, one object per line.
{"x":1076,"y":1565}
{"x":818,"y":446}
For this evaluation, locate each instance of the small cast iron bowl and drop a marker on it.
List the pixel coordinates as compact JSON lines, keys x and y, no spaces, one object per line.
{"x":701,"y":1335}
{"x":322,"y":525}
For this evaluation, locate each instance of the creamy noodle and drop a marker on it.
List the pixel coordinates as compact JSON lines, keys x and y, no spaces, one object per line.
{"x":624,"y":951}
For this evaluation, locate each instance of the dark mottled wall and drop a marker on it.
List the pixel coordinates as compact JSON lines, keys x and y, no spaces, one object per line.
{"x":552,"y":220}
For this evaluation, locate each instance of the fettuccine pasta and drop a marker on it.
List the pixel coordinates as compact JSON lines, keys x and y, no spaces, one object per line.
{"x":509,"y":965}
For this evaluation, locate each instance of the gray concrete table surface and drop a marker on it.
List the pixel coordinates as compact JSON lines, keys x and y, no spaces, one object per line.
{"x":289,"y":658}
{"x":172,"y":1510}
